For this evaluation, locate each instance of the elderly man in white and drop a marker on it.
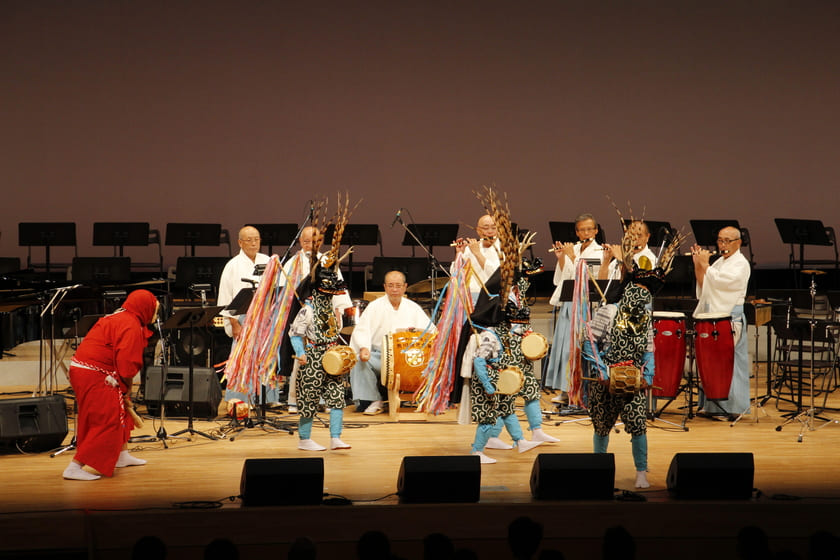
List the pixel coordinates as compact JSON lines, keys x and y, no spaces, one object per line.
{"x":237,"y":275}
{"x":483,"y":253}
{"x":721,"y":288}
{"x":385,"y":315}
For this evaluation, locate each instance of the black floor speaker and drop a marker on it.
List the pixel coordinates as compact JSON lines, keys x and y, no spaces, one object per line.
{"x":573,"y":476}
{"x":282,"y":482}
{"x":711,"y":476}
{"x":33,"y":424}
{"x":207,"y":392}
{"x":443,"y":479}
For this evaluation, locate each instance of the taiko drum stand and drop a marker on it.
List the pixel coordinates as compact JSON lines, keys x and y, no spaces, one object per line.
{"x":806,"y":417}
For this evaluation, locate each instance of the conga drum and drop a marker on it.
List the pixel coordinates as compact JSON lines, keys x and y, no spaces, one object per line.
{"x":510,"y":381}
{"x":669,"y":352}
{"x":339,"y":360}
{"x":406,"y":354}
{"x":714,"y":346}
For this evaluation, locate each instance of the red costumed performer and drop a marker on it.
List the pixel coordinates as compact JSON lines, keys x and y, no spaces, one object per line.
{"x":101,"y":373}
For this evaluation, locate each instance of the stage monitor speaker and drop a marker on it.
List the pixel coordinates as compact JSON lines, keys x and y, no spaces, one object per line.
{"x":711,"y":476}
{"x":573,"y":476}
{"x":441,"y":479}
{"x":282,"y":482}
{"x":33,"y":424}
{"x":207,"y":392}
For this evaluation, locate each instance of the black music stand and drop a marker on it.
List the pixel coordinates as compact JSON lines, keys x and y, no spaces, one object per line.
{"x":415,"y":269}
{"x":565,"y":232}
{"x":276,"y":234}
{"x":98,"y":271}
{"x":193,"y":235}
{"x":430,"y":235}
{"x":806,"y":232}
{"x":610,"y":288}
{"x":191,"y":318}
{"x":706,"y":232}
{"x":46,"y":234}
{"x":127,"y":234}
{"x":199,"y":270}
{"x":356,"y":234}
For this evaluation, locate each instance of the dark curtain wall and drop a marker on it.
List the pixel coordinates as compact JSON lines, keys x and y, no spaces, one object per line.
{"x":235,"y":112}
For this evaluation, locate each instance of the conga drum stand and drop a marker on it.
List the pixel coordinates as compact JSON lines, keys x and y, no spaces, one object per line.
{"x":762,"y":317}
{"x":806,"y":417}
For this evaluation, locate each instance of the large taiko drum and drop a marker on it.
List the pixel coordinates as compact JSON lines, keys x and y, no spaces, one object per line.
{"x":510,"y":382}
{"x":669,"y":352}
{"x":406,"y":354}
{"x":339,"y":360}
{"x":714,"y":345}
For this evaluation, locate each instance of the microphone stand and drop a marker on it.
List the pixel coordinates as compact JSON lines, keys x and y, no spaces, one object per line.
{"x":434,"y":263}
{"x":46,"y":380}
{"x":806,"y":417}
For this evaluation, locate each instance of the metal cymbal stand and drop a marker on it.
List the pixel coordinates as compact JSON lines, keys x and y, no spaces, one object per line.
{"x":806,"y":417}
{"x":760,"y":319}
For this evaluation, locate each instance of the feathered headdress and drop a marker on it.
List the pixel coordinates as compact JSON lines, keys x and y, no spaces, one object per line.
{"x":644,"y":273}
{"x":324,"y":273}
{"x":497,"y":208}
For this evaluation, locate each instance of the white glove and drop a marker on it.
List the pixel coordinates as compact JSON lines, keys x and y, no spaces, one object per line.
{"x":111,"y":381}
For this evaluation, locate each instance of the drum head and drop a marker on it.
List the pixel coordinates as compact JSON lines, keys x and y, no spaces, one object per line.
{"x":668,"y":315}
{"x":711,"y":316}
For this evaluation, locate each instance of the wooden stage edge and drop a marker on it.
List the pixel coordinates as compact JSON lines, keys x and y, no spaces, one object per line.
{"x":182,"y":494}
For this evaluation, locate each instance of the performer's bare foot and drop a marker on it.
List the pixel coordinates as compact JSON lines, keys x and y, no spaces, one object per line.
{"x":498,"y":443}
{"x":537,"y":434}
{"x":485,"y":460}
{"x":310,"y":445}
{"x":641,"y":480}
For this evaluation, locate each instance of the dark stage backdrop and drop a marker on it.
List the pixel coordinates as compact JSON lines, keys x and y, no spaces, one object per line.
{"x":234,"y":112}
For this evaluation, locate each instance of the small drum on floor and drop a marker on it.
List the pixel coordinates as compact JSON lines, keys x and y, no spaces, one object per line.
{"x":714,"y":345}
{"x":625,"y":380}
{"x":669,"y":352}
{"x":339,"y":360}
{"x":510,"y":381}
{"x":534,"y":346}
{"x":406,"y":354}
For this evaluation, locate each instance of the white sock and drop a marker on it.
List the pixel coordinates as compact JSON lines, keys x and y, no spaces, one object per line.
{"x":336,"y":443}
{"x":537,"y":434}
{"x":74,"y":471}
{"x":126,"y":460}
{"x":641,"y":480}
{"x":310,"y":445}
{"x":497,"y":443}
{"x":484,"y":459}
{"x":524,"y":445}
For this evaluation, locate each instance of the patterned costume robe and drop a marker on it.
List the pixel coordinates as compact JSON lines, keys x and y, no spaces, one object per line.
{"x":316,"y":323}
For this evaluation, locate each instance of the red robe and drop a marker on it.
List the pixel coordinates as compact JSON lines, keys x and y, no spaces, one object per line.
{"x":113,"y":347}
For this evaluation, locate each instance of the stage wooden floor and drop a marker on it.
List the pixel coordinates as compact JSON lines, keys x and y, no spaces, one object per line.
{"x":798,"y":485}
